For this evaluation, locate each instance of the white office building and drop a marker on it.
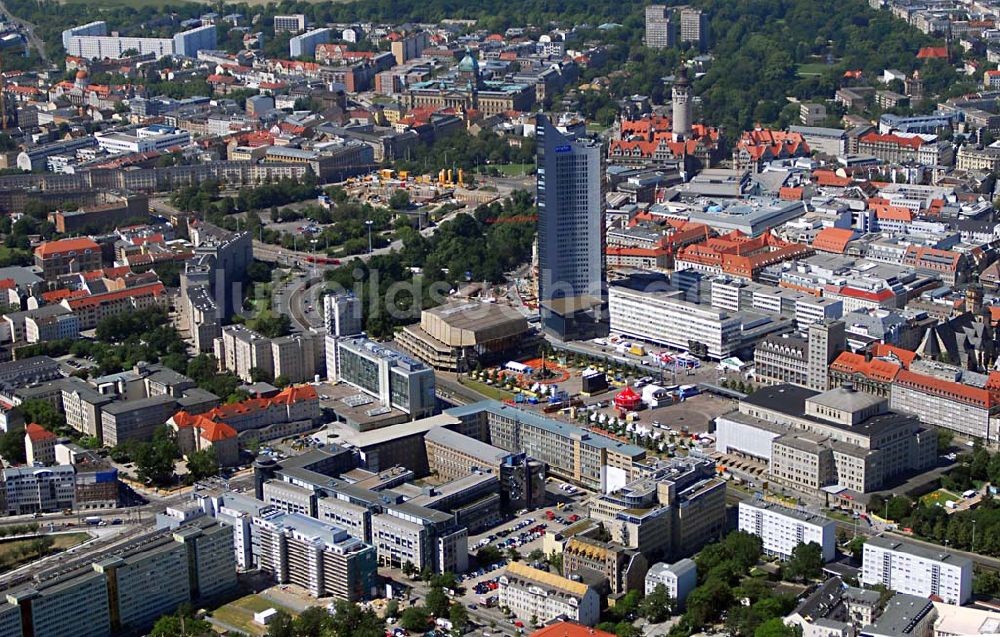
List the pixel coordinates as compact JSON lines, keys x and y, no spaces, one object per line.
{"x":294,"y":23}
{"x":91,"y":41}
{"x":915,"y":570}
{"x":782,"y":529}
{"x":679,"y":578}
{"x":392,"y":379}
{"x":142,"y":140}
{"x":533,"y":594}
{"x":305,"y":45}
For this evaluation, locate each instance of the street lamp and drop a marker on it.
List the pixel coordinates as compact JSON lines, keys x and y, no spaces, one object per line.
{"x":369,"y":223}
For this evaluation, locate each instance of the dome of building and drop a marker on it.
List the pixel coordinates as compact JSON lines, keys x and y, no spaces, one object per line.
{"x":469,"y":64}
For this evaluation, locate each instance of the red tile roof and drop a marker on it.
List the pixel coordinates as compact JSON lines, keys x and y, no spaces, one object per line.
{"x":929,"y":52}
{"x":569,"y":629}
{"x":52,"y":248}
{"x":877,"y":370}
{"x":884,"y":350}
{"x":890,"y":138}
{"x":945,"y":389}
{"x":37,"y":433}
{"x":833,"y":240}
{"x":216,"y":431}
{"x":154,"y":289}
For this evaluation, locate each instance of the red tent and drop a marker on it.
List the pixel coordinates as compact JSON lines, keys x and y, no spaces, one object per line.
{"x":627,"y":399}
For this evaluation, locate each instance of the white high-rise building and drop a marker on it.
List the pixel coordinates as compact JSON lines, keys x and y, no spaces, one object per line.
{"x":782,"y":529}
{"x":915,"y":570}
{"x":342,"y":314}
{"x":570,"y":216}
{"x":659,"y":31}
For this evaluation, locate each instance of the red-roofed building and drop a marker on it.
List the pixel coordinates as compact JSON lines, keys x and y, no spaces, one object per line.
{"x":858,"y":299}
{"x":92,"y":309}
{"x":833,"y":240}
{"x":760,"y":146}
{"x":933,"y":52}
{"x":56,"y":258}
{"x":197,"y":433}
{"x":738,"y":254}
{"x":948,"y":265}
{"x":291,"y":411}
{"x":991,"y":80}
{"x":39,"y":445}
{"x":945,"y":403}
{"x":873,"y":372}
{"x":898,"y":148}
{"x":649,"y":140}
{"x":569,"y":629}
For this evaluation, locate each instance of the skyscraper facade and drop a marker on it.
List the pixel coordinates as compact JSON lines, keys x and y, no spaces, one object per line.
{"x":570,"y":216}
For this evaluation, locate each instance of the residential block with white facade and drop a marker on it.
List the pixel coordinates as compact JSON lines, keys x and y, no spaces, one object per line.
{"x":781,"y":529}
{"x":915,"y":570}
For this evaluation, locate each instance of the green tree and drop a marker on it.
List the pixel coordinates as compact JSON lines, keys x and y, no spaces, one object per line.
{"x":776,"y":627}
{"x":399,"y":200}
{"x":657,"y":606}
{"x":437,"y":602}
{"x":202,"y":464}
{"x":536,"y":555}
{"x":805,"y":563}
{"x":43,"y":413}
{"x":901,"y":506}
{"x":392,"y":608}
{"x":281,"y":381}
{"x":155,"y":460}
{"x":409,"y":569}
{"x":181,"y":624}
{"x":459,"y":618}
{"x":281,"y":625}
{"x":415,"y":619}
{"x":312,"y":622}
{"x":350,"y":620}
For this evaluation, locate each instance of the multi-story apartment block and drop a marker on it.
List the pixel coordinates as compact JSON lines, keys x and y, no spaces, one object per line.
{"x":126,"y":588}
{"x":244,"y":351}
{"x":290,"y":23}
{"x":532,"y":593}
{"x":811,"y":440}
{"x":694,"y":27}
{"x":659,"y":34}
{"x":39,"y":445}
{"x":970,"y":157}
{"x":670,"y":511}
{"x":782,"y":359}
{"x":91,"y":41}
{"x":969,"y":410}
{"x":915,"y":570}
{"x":295,"y":357}
{"x":781,"y":529}
{"x":666,"y":318}
{"x":318,"y":556}
{"x":423,"y":537}
{"x":56,"y":258}
{"x":679,"y":578}
{"x":305,"y":45}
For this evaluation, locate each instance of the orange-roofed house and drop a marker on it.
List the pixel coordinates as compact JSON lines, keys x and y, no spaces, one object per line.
{"x":291,"y":411}
{"x":833,"y":240}
{"x":760,"y":146}
{"x":867,"y":374}
{"x":932,"y":53}
{"x":92,"y":309}
{"x":991,"y":80}
{"x":39,"y":445}
{"x":197,"y":433}
{"x":57,"y":258}
{"x":569,"y":629}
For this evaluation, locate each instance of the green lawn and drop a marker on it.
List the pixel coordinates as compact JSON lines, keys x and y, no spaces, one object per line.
{"x":14,"y":553}
{"x":812,"y":68}
{"x":239,"y":613}
{"x":939,"y":497}
{"x":516,"y":170}
{"x":489,"y":391}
